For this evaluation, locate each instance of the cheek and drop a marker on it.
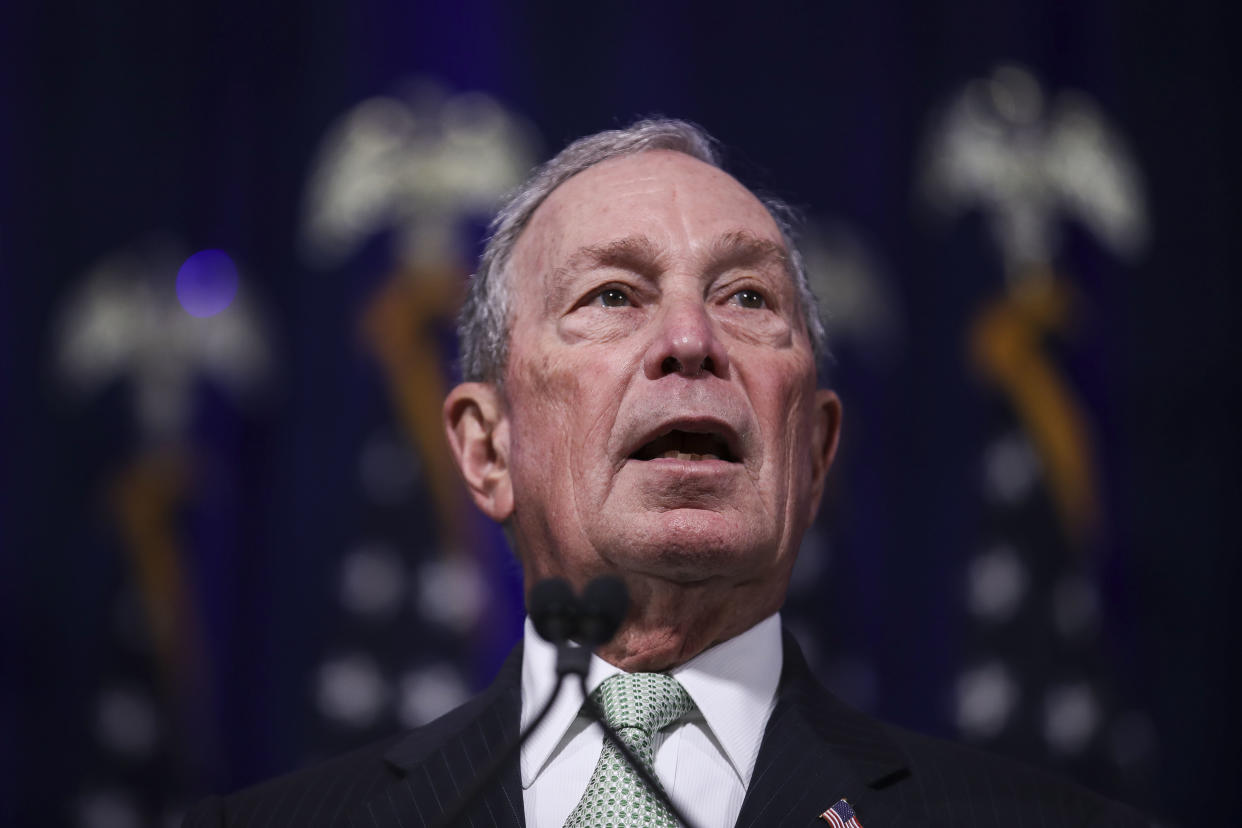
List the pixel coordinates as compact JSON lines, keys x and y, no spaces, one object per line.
{"x":541,"y":402}
{"x":786,"y":396}
{"x":545,"y":381}
{"x":553,"y":412}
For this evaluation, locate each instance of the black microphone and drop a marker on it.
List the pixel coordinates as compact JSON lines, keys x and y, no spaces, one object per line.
{"x":553,"y":610}
{"x":558,"y":616}
{"x":602,"y":609}
{"x":596,"y":619}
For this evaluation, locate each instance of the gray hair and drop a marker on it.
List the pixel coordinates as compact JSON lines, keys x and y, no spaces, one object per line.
{"x":483,"y":327}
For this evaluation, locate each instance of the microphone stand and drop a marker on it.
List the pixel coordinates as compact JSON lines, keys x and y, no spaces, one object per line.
{"x":569,"y":660}
{"x":499,"y":763}
{"x":596,"y":618}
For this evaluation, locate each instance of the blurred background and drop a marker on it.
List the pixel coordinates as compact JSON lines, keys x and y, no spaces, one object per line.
{"x":232,"y":241}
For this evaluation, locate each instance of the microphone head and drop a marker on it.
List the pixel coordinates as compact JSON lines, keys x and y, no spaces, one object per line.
{"x":604,"y":604}
{"x":553,"y":610}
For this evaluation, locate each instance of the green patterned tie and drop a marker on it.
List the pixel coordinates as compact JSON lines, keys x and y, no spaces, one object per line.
{"x":636,"y":705}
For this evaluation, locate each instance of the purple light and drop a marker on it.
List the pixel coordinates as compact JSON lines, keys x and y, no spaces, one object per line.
{"x":207,"y":283}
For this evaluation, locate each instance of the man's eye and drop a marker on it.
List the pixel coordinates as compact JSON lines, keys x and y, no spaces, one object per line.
{"x":750,"y":299}
{"x":613,"y":298}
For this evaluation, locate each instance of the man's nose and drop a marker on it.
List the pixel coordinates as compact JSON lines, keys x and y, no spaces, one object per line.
{"x":685,"y":342}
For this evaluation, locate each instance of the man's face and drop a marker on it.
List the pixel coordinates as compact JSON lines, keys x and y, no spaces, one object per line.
{"x":661,"y":404}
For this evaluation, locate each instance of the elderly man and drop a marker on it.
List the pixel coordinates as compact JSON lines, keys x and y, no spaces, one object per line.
{"x":641,"y":401}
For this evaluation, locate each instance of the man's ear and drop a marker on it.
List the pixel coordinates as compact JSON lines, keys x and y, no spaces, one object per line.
{"x":826,"y":430}
{"x":478,"y":436}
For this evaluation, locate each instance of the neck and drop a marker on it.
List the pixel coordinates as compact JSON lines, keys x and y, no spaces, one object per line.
{"x":670,"y":623}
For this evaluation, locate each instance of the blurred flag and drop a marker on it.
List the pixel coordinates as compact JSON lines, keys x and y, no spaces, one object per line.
{"x":426,"y":592}
{"x":1037,"y":682}
{"x":160,"y":323}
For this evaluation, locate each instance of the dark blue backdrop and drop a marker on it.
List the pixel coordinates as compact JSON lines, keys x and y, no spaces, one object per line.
{"x":200,"y":122}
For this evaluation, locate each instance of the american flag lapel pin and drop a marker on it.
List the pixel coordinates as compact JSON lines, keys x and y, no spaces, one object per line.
{"x":841,"y":815}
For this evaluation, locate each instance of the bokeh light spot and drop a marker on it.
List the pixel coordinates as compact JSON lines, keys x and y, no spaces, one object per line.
{"x":207,"y":283}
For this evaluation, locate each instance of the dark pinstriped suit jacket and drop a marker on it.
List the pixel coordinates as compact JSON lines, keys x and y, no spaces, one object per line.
{"x":815,"y":751}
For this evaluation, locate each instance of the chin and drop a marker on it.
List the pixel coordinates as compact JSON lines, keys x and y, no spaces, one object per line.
{"x":687,"y":545}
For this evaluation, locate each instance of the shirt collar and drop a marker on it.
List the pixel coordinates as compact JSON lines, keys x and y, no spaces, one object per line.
{"x":733,"y":684}
{"x":538,"y":681}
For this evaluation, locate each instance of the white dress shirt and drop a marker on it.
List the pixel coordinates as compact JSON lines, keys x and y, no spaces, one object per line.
{"x":705,"y":760}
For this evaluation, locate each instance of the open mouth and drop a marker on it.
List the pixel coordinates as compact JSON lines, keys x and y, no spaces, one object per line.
{"x":686,"y":445}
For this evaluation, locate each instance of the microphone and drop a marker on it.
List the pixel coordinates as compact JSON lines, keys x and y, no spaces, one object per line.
{"x":558,"y":616}
{"x":605,"y":601}
{"x":553,"y":610}
{"x":604,"y":604}
{"x":596,"y":619}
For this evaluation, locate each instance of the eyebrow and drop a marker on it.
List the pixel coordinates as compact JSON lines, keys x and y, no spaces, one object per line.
{"x":636,"y":253}
{"x":739,"y":248}
{"x":743,"y":249}
{"x":640,"y":254}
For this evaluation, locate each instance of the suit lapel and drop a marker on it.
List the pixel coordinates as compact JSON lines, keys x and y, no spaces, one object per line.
{"x":439,"y":763}
{"x":817,"y":750}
